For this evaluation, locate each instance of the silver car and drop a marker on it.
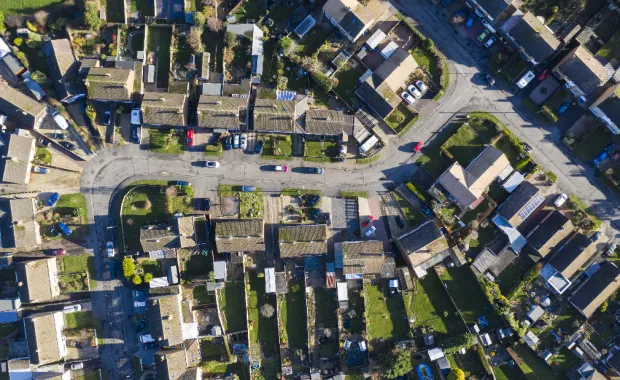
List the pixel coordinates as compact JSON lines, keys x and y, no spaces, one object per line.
{"x":244,"y":141}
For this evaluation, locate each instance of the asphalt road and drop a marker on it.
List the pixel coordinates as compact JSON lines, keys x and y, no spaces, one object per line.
{"x":116,"y":167}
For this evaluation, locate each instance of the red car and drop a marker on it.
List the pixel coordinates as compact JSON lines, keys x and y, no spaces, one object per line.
{"x":367,"y":222}
{"x":418,"y":146}
{"x":58,"y":252}
{"x":190,"y":137}
{"x":543,"y":75}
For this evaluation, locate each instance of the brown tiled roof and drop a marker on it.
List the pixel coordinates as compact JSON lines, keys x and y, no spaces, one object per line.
{"x":158,"y":237}
{"x":165,"y":319}
{"x":110,"y":84}
{"x":220,"y":111}
{"x":329,"y":122}
{"x":239,"y":235}
{"x":20,"y":107}
{"x":302,"y":240}
{"x":41,"y":335}
{"x":352,"y":16}
{"x":185,"y":227}
{"x":192,"y":352}
{"x":422,"y":243}
{"x":17,"y":163}
{"x":38,"y":280}
{"x":397,"y":69}
{"x":171,"y":365}
{"x":164,"y":108}
{"x":367,"y":257}
{"x":272,"y":115}
{"x":63,"y":55}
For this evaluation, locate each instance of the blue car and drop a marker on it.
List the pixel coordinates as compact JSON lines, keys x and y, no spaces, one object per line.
{"x":470,"y":22}
{"x":426,"y":210}
{"x":563,"y":107}
{"x":53,"y":199}
{"x":65,"y":229}
{"x":248,"y":188}
{"x":600,"y":158}
{"x":259,"y":147}
{"x":183,"y":183}
{"x":610,"y":148}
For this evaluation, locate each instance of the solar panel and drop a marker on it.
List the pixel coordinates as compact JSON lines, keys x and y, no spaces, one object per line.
{"x":285,"y":95}
{"x":531,"y":206}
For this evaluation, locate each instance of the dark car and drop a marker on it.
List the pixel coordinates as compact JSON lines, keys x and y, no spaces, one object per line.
{"x":227,"y":143}
{"x":445,"y":3}
{"x":107,"y":118}
{"x":53,"y":231}
{"x":315,"y":214}
{"x":399,"y":221}
{"x":53,"y":199}
{"x":112,"y":269}
{"x":69,"y":146}
{"x":136,"y":133}
{"x":77,"y":344}
{"x":150,"y":345}
{"x":44,"y":142}
{"x":312,"y":200}
{"x":426,"y":210}
{"x":314,"y":170}
{"x":259,"y":147}
{"x":470,"y":22}
{"x":489,"y":79}
{"x":207,"y":204}
{"x":183,"y":183}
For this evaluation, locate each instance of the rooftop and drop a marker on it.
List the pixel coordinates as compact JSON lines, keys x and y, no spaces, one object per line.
{"x":271,"y":115}
{"x":42,"y":333}
{"x":553,"y":228}
{"x":110,"y":84}
{"x":38,"y":280}
{"x":16,"y":164}
{"x":533,"y":36}
{"x":220,"y":111}
{"x":573,"y":255}
{"x":585,"y":70}
{"x":349,"y":14}
{"x":597,"y":289}
{"x":514,"y":208}
{"x":329,"y":122}
{"x":367,"y":257}
{"x":165,"y":319}
{"x":164,"y":108}
{"x":421,"y":243}
{"x":302,"y":240}
{"x":239,"y":235}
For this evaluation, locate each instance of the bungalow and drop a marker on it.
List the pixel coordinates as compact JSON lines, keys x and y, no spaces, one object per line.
{"x":583,"y":73}
{"x":607,"y":109}
{"x":364,"y":259}
{"x":165,"y":319}
{"x":17,"y":157}
{"x":302,"y":244}
{"x":596,"y":289}
{"x":272,"y":115}
{"x":164,"y":109}
{"x":423,"y":247}
{"x":63,"y":69}
{"x":379,"y":89}
{"x":221,"y":112}
{"x":46,"y":343}
{"x":568,"y":259}
{"x":37,"y":280}
{"x":551,"y":231}
{"x":173,"y":364}
{"x":349,"y":16}
{"x":239,"y":236}
{"x":18,"y":227}
{"x":536,"y":43}
{"x":110,"y":85}
{"x":20,"y":107}
{"x":465,"y":186}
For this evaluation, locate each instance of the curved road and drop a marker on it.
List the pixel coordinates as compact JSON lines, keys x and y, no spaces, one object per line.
{"x":115,"y":167}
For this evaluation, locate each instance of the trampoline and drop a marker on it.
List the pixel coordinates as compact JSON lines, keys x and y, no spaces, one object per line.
{"x":424,"y":372}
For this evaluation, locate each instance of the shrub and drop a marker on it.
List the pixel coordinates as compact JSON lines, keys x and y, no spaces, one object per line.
{"x":428,"y":44}
{"x":2,"y":26}
{"x":200,"y":19}
{"x":456,"y":374}
{"x":31,"y":27}
{"x":129,"y":268}
{"x":416,"y":192}
{"x":40,"y":17}
{"x":194,"y":39}
{"x":454,"y":344}
{"x":522,"y":163}
{"x":136,"y":280}
{"x":529,"y":276}
{"x":230,"y":40}
{"x":396,"y":363}
{"x":148,"y":277}
{"x":34,"y":44}
{"x":18,"y":41}
{"x":214,"y":24}
{"x":267,"y":311}
{"x":604,"y":306}
{"x":551,"y":175}
{"x":353,"y":194}
{"x":91,"y":16}
{"x":323,"y":81}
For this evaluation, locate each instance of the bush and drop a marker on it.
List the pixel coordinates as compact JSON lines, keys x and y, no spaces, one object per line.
{"x":18,"y":41}
{"x":34,"y":44}
{"x":31,"y":27}
{"x":396,"y":363}
{"x":456,"y":374}
{"x":454,"y":344}
{"x":136,"y":280}
{"x":200,"y":19}
{"x":428,"y":44}
{"x":522,"y":163}
{"x":551,"y":175}
{"x":529,"y":276}
{"x":91,"y":16}
{"x":323,"y":81}
{"x":2,"y":26}
{"x":230,"y":40}
{"x":416,"y":192}
{"x":129,"y":268}
{"x":483,"y":359}
{"x":148,"y":277}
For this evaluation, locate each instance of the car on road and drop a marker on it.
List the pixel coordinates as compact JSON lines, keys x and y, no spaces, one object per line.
{"x":110,"y":248}
{"x":280,"y":168}
{"x":414,"y":91}
{"x":490,"y":42}
{"x":69,"y":146}
{"x":57,"y":252}
{"x":207,"y":204}
{"x":236,"y":141}
{"x":60,"y":121}
{"x":543,"y":75}
{"x":40,"y":170}
{"x":72,"y":308}
{"x":259,"y":147}
{"x":399,"y":221}
{"x":421,"y":86}
{"x":560,"y":200}
{"x":183,"y":183}
{"x":53,"y":199}
{"x":112,"y":268}
{"x":209,"y":164}
{"x":190,"y":137}
{"x":563,"y":107}
{"x":107,"y":118}
{"x":314,"y":170}
{"x":611,"y":249}
{"x":135,"y":116}
{"x":76,"y":366}
{"x":244,"y":141}
{"x":64,"y":228}
{"x":525,"y":79}
{"x":136,"y":134}
{"x":248,"y":188}
{"x":408,"y":98}
{"x":417,"y":147}
{"x":368,"y":221}
{"x":527,"y":148}
{"x":483,"y":35}
{"x":54,"y":232}
{"x":489,"y":79}
{"x":470,"y":22}
{"x":227,"y":143}
{"x":370,"y":231}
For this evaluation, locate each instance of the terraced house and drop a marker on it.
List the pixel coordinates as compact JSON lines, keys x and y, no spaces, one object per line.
{"x":272,"y":115}
{"x":17,"y":156}
{"x":46,"y":343}
{"x":364,"y":259}
{"x":18,"y":227}
{"x":567,"y":261}
{"x":165,"y":319}
{"x":63,"y":69}
{"x":221,"y":112}
{"x":583,"y":73}
{"x":423,"y":247}
{"x":239,"y":236}
{"x":165,"y":109}
{"x":349,"y":16}
{"x":531,"y":37}
{"x":110,"y":85}
{"x":23,"y":109}
{"x":174,"y":364}
{"x":303,"y":244}
{"x":37,"y":280}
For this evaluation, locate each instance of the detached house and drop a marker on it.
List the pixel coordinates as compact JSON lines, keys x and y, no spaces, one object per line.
{"x":16,"y":164}
{"x":303,"y":243}
{"x":423,"y":247}
{"x":110,"y":85}
{"x":568,"y":259}
{"x":21,"y":108}
{"x":536,"y":43}
{"x":583,"y":73}
{"x":37,"y":280}
{"x":18,"y":227}
{"x":46,"y":343}
{"x":597,"y":289}
{"x":349,"y":16}
{"x":364,"y":259}
{"x":63,"y":69}
{"x":551,"y":231}
{"x":164,"y":109}
{"x":239,"y":236}
{"x":221,"y":112}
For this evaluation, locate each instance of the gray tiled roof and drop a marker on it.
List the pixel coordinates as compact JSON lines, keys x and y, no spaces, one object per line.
{"x":533,"y":36}
{"x":186,"y":230}
{"x":329,"y":122}
{"x":302,"y":240}
{"x":367,"y":257}
{"x":597,"y":289}
{"x":41,"y":335}
{"x":352,"y":16}
{"x":239,"y":235}
{"x":63,"y":65}
{"x":494,"y":7}
{"x":378,"y":96}
{"x":421,"y":243}
{"x":165,"y":319}
{"x":25,"y":229}
{"x":573,"y":255}
{"x":585,"y":70}
{"x":38,"y":280}
{"x":159,"y":237}
{"x":554,"y":227}
{"x":272,"y":115}
{"x":171,"y":364}
{"x":516,"y":202}
{"x":164,"y":108}
{"x":110,"y":84}
{"x":220,"y":111}
{"x":611,"y":107}
{"x":20,"y":107}
{"x":16,"y":165}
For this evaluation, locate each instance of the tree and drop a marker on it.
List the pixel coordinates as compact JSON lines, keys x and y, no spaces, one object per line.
{"x":194,"y":39}
{"x":208,"y":12}
{"x":267,"y":311}
{"x":2,"y":26}
{"x":457,"y":19}
{"x":59,"y":24}
{"x":312,"y":64}
{"x":428,"y":44}
{"x":18,"y":41}
{"x":555,"y":9}
{"x":323,"y":80}
{"x":199,"y":19}
{"x":454,"y":344}
{"x":282,"y":82}
{"x":129,"y":268}
{"x":230,"y":40}
{"x":136,"y":280}
{"x":40,"y":17}
{"x":456,"y":374}
{"x":604,"y":306}
{"x":39,"y":77}
{"x":214,"y":24}
{"x":91,"y":16}
{"x":288,"y":46}
{"x":396,"y":363}
{"x":148,"y":277}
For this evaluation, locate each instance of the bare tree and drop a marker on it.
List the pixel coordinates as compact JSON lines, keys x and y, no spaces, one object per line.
{"x":214,"y":24}
{"x":267,"y":311}
{"x":194,"y":39}
{"x":312,"y":64}
{"x":40,"y":17}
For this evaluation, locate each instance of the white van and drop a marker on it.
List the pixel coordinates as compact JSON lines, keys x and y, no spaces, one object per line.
{"x":525,"y":80}
{"x":60,"y":121}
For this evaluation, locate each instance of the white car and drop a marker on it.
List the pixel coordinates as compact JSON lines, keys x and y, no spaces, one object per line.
{"x":147,"y":338}
{"x":244,"y":141}
{"x":60,"y":121}
{"x":421,"y":86}
{"x":72,"y":308}
{"x":135,"y":116}
{"x":560,"y":200}
{"x":525,"y":79}
{"x":236,"y":141}
{"x":40,"y":170}
{"x":408,"y":98}
{"x":212,"y":164}
{"x":110,"y":248}
{"x":75,"y":366}
{"x":414,"y":91}
{"x":371,"y":231}
{"x":489,"y":42}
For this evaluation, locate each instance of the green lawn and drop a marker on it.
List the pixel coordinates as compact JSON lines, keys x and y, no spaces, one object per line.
{"x":348,"y":78}
{"x":463,"y":286}
{"x":72,"y":210}
{"x":202,"y":296}
{"x":159,"y":40}
{"x":83,"y":320}
{"x":431,"y":159}
{"x":594,"y":144}
{"x":566,"y":319}
{"x":464,"y":145}
{"x":428,"y":62}
{"x":293,"y":315}
{"x":505,"y":145}
{"x":473,"y":214}
{"x":73,"y":282}
{"x":262,"y":330}
{"x":212,"y":349}
{"x":400,"y":117}
{"x":506,"y":372}
{"x":326,"y":307}
{"x":232,"y":306}
{"x":166,"y":141}
{"x":135,"y":214}
{"x":250,"y":10}
{"x":216,"y":368}
{"x":321,"y":149}
{"x":80,"y":263}
{"x":313,"y":40}
{"x":277,"y":147}
{"x":469,"y":362}
{"x":611,"y":50}
{"x":115,"y":11}
{"x":411,"y":212}
{"x":25,"y":6}
{"x":386,"y":316}
{"x":431,"y":306}
{"x":511,"y":275}
{"x":563,"y":361}
{"x":69,"y":203}
{"x":533,"y":367}
{"x":44,"y":156}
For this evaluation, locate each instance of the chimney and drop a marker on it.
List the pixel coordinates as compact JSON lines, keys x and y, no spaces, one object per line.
{"x":108,"y":75}
{"x":179,"y":111}
{"x":218,"y":103}
{"x":162,"y":99}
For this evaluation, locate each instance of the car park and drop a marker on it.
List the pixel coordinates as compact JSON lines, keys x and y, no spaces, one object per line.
{"x":67,"y":145}
{"x":244,"y":141}
{"x":421,"y":86}
{"x":110,"y":248}
{"x":248,"y":188}
{"x":190,"y":137}
{"x":490,"y":42}
{"x":408,"y":98}
{"x":77,"y":344}
{"x":44,"y":142}
{"x":527,"y":148}
{"x":72,"y":308}
{"x":560,"y":200}
{"x":280,"y":168}
{"x":315,"y":214}
{"x":236,"y":141}
{"x":209,"y":164}
{"x":600,"y":158}
{"x":135,"y":116}
{"x":483,"y":35}
{"x":227,"y":143}
{"x":259,"y":147}
{"x":417,"y":147}
{"x":311,"y":200}
{"x":368,"y":221}
{"x":53,"y":199}
{"x":414,"y":91}
{"x":40,"y":170}
{"x":107,"y":118}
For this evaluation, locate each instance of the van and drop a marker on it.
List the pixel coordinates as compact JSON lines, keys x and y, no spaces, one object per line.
{"x":60,"y":121}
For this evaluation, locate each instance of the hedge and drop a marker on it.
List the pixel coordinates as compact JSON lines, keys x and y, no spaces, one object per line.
{"x":299,"y":192}
{"x":521,"y":164}
{"x":368,"y":160}
{"x":353,"y":194}
{"x":551,"y":175}
{"x":454,"y":344}
{"x":214,"y":150}
{"x":484,"y":360}
{"x":416,"y":192}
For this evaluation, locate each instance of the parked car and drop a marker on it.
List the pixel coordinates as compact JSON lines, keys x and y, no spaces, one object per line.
{"x":244,"y":141}
{"x":146,"y":338}
{"x":315,"y":170}
{"x":227,"y":143}
{"x":543,"y":75}
{"x":107,"y":118}
{"x":611,"y":249}
{"x":483,"y":35}
{"x":596,"y":236}
{"x":414,"y":91}
{"x":236,"y":139}
{"x":40,"y":170}
{"x":44,"y":142}
{"x":72,"y":308}
{"x":259,"y":147}
{"x":370,"y":231}
{"x":58,"y":135}
{"x":399,"y":221}
{"x":315,"y":214}
{"x":150,"y":346}
{"x":135,"y":117}
{"x":54,"y":232}
{"x":76,"y":366}
{"x":77,"y":344}
{"x":312,"y":200}
{"x":280,"y":168}
{"x":421,"y":86}
{"x":368,"y":221}
{"x":67,"y":145}
{"x":461,"y":13}
{"x":207,"y":204}
{"x":600,"y":158}
{"x":490,"y":42}
{"x":184,"y":183}
{"x":489,"y":79}
{"x":56,"y":252}
{"x":563,"y":107}
{"x":610,"y":148}
{"x":136,"y":134}
{"x":60,"y":121}
{"x":212,"y":164}
{"x":248,"y":188}
{"x":525,"y":79}
{"x":560,"y":200}
{"x":470,"y":22}
{"x":110,"y":248}
{"x":527,"y":148}
{"x":408,"y":98}
{"x":427,"y":211}
{"x":53,"y":199}
{"x":190,"y":137}
{"x":417,"y":147}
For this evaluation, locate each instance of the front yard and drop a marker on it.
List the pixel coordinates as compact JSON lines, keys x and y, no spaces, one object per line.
{"x":232,"y":307}
{"x":83,"y":320}
{"x":321,"y":150}
{"x":73,"y":269}
{"x":385,"y":317}
{"x":70,"y":209}
{"x":277,"y":147}
{"x":593,"y":144}
{"x":400,"y":118}
{"x":166,"y":141}
{"x":611,"y":49}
